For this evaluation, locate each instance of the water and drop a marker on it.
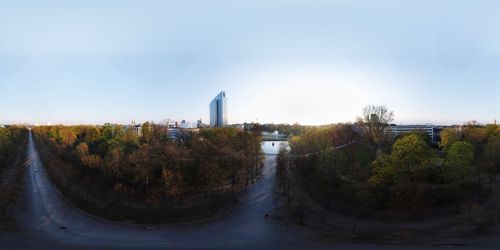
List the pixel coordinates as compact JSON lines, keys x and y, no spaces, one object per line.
{"x":268,"y":148}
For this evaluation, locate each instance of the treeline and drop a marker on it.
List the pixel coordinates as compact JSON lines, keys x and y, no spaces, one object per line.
{"x":413,"y":176}
{"x":356,"y":167}
{"x":13,"y":141}
{"x":287,"y":129}
{"x":330,"y":164}
{"x":10,"y":137}
{"x":103,"y":168}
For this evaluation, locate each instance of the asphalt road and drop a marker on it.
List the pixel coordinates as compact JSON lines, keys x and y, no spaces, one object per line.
{"x":47,"y":221}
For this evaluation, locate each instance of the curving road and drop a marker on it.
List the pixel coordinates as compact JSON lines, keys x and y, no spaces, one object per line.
{"x":47,"y":221}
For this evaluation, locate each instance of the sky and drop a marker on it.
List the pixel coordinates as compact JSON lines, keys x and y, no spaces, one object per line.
{"x":312,"y":62}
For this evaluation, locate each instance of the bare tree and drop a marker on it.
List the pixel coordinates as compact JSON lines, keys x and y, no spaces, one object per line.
{"x":374,"y":122}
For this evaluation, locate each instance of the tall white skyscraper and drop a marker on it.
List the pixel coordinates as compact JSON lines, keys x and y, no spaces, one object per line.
{"x":218,"y":110}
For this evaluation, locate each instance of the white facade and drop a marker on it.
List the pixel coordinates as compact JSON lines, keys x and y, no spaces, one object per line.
{"x":186,"y":124}
{"x":137,"y":129}
{"x":218,"y":111}
{"x":397,"y":130}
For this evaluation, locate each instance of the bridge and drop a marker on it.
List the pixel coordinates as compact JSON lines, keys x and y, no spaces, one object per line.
{"x":274,"y":137}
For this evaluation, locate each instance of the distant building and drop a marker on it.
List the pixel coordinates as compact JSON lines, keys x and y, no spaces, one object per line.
{"x":173,"y":133}
{"x":430,"y":130}
{"x":238,"y":126}
{"x":137,"y":129}
{"x":176,"y":134}
{"x":218,"y":111}
{"x":187,"y":124}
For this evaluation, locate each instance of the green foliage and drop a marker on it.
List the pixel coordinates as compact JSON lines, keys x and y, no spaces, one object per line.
{"x":475,"y":135}
{"x":491,"y":156}
{"x":411,"y":150}
{"x":459,"y":159}
{"x":405,"y":171}
{"x":448,"y":137}
{"x":332,"y":162}
{"x":147,"y":132}
{"x":287,"y":129}
{"x":282,"y":169}
{"x":410,"y":176}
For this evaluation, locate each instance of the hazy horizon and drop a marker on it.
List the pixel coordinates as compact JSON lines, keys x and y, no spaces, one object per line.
{"x":311,"y":62}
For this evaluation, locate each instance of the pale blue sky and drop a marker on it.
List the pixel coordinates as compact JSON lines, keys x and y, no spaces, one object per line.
{"x":312,"y":62}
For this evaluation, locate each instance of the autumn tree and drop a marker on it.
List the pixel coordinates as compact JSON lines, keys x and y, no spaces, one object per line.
{"x":147,"y":132}
{"x":88,"y":160}
{"x":476,"y":136}
{"x":89,"y":134}
{"x":13,"y":140}
{"x":68,"y":137}
{"x":209,"y":170}
{"x":152,"y":169}
{"x":173,"y":161}
{"x":448,"y":137}
{"x":5,"y":144}
{"x":144,"y":165}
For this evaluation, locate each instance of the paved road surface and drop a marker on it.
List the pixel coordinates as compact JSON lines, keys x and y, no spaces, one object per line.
{"x":47,"y":221}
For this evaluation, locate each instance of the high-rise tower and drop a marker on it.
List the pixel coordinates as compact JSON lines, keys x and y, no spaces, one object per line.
{"x":218,"y":110}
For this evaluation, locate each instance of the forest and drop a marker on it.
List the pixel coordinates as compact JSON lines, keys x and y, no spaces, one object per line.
{"x":113,"y":172}
{"x":358,"y":169}
{"x":13,"y":141}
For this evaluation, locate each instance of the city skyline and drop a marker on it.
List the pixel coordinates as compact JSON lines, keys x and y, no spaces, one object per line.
{"x":313,"y":63}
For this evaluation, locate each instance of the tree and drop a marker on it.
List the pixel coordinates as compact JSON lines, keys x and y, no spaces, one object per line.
{"x":5,"y":143}
{"x":114,"y":162}
{"x":172,"y":159}
{"x":68,"y":137}
{"x":491,"y":159}
{"x":89,"y":134}
{"x":153,"y":171}
{"x":448,"y":137}
{"x":147,"y":132}
{"x":458,"y":166}
{"x":475,"y":135}
{"x":459,"y":159}
{"x":91,"y":161}
{"x":88,"y":160}
{"x":82,"y":149}
{"x":142,"y":160}
{"x":374,"y":122}
{"x":107,"y":133}
{"x":404,"y":172}
{"x":346,"y":135}
{"x":173,"y":183}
